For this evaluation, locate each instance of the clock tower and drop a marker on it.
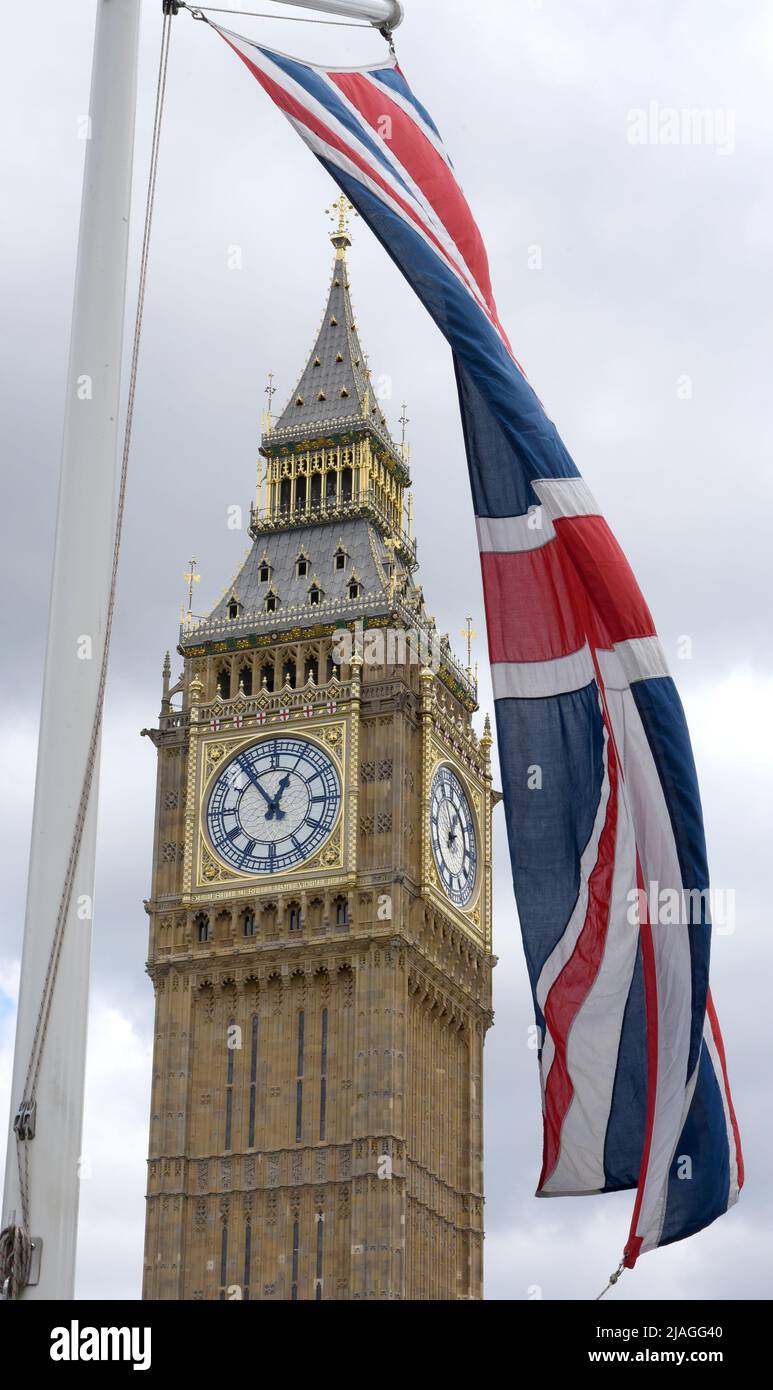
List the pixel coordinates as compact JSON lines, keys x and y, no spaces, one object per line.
{"x":320,"y":918}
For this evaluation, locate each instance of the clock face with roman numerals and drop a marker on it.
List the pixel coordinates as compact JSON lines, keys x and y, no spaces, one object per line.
{"x":452,"y":831}
{"x":273,"y":805}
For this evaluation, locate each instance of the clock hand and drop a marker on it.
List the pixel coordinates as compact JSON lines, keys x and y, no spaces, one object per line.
{"x":274,"y":808}
{"x":271,"y":802}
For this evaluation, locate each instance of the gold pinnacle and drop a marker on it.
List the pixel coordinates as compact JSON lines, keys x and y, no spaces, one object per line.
{"x":191,"y":578}
{"x":469,"y":633}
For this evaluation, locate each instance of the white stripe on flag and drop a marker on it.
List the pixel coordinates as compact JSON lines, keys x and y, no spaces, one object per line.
{"x":671,"y":947}
{"x":594,"y":1039}
{"x":535,"y":680}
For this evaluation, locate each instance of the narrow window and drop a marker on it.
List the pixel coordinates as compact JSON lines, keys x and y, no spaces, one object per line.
{"x":339,"y":560}
{"x":245,"y":680}
{"x":202,"y":926}
{"x":233,"y":609}
{"x":303,"y":568}
{"x":224,"y":682}
{"x":299,"y":1081}
{"x":253,"y":1081}
{"x":342,"y":912}
{"x":314,"y":594}
{"x":300,"y":495}
{"x":316,"y":489}
{"x":264,"y":572}
{"x":271,"y":603}
{"x":320,"y":1238}
{"x":248,"y":922}
{"x":267,"y":677}
{"x":288,"y":674}
{"x":354,"y":589}
{"x":295,"y":918}
{"x":294,"y":1289}
{"x":331,"y":487}
{"x":223,"y":1260}
{"x":247,"y":1258}
{"x":323,"y":1078}
{"x":346,"y":485}
{"x":284,"y":495}
{"x":312,"y":670}
{"x":229,"y":1086}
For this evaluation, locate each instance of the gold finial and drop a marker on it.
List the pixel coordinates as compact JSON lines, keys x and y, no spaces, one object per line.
{"x":392,"y":544}
{"x":191,"y":578}
{"x":339,"y":211}
{"x":469,"y":633}
{"x":404,"y":420}
{"x":270,"y":390}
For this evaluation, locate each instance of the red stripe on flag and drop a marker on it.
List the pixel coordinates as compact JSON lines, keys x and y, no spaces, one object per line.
{"x":531,"y":614}
{"x":571,"y":988}
{"x":292,"y":107}
{"x":720,"y":1046}
{"x":649,"y":971}
{"x":426,"y":167}
{"x":607,"y":577}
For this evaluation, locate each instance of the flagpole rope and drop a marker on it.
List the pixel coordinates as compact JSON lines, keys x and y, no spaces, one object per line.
{"x":286,"y":18}
{"x":15,"y":1240}
{"x":613,"y":1278}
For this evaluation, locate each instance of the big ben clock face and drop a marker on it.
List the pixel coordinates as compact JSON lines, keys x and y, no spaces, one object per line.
{"x":273,"y":805}
{"x":452,"y":831}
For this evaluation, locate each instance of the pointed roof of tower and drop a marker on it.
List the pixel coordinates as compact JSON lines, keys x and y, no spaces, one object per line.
{"x":334,"y":392}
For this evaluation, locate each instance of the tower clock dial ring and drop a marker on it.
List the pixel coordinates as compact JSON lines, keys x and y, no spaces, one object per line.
{"x":273,"y":805}
{"x":453,"y":836}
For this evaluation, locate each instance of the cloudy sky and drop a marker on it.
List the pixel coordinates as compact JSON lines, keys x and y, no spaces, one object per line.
{"x":645,"y":331}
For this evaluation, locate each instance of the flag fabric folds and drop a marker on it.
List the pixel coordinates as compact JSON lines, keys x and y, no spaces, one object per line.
{"x":601,"y":795}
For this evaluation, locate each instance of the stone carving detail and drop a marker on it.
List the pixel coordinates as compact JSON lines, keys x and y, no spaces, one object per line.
{"x":200,"y":1219}
{"x":171,"y":801}
{"x":368,"y":772}
{"x":171,"y":852}
{"x":384,"y":822}
{"x":366,"y":825}
{"x":203,"y":1176}
{"x":210,"y":869}
{"x":214,"y":755}
{"x":384,"y":770}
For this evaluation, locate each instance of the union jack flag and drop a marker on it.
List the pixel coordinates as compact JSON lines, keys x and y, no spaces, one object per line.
{"x":632,"y":1064}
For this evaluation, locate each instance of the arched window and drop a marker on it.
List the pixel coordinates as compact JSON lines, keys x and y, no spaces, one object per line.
{"x":315,"y":594}
{"x":295,"y":921}
{"x":248,"y":922}
{"x":342,"y":912}
{"x":233,"y":607}
{"x":245,"y":679}
{"x":346,"y":485}
{"x":267,"y":676}
{"x":339,"y":559}
{"x":201,"y":926}
{"x":316,"y":490}
{"x":354,"y":589}
{"x":285,"y":492}
{"x":271,"y":602}
{"x":264,"y":572}
{"x":331,"y":487}
{"x":288,"y":674}
{"x":300,"y":495}
{"x":224,"y":682}
{"x":312,"y":670}
{"x":302,"y":566}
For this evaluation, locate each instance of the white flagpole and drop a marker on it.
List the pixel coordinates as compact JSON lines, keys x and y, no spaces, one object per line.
{"x":76,"y":634}
{"x":379,"y":12}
